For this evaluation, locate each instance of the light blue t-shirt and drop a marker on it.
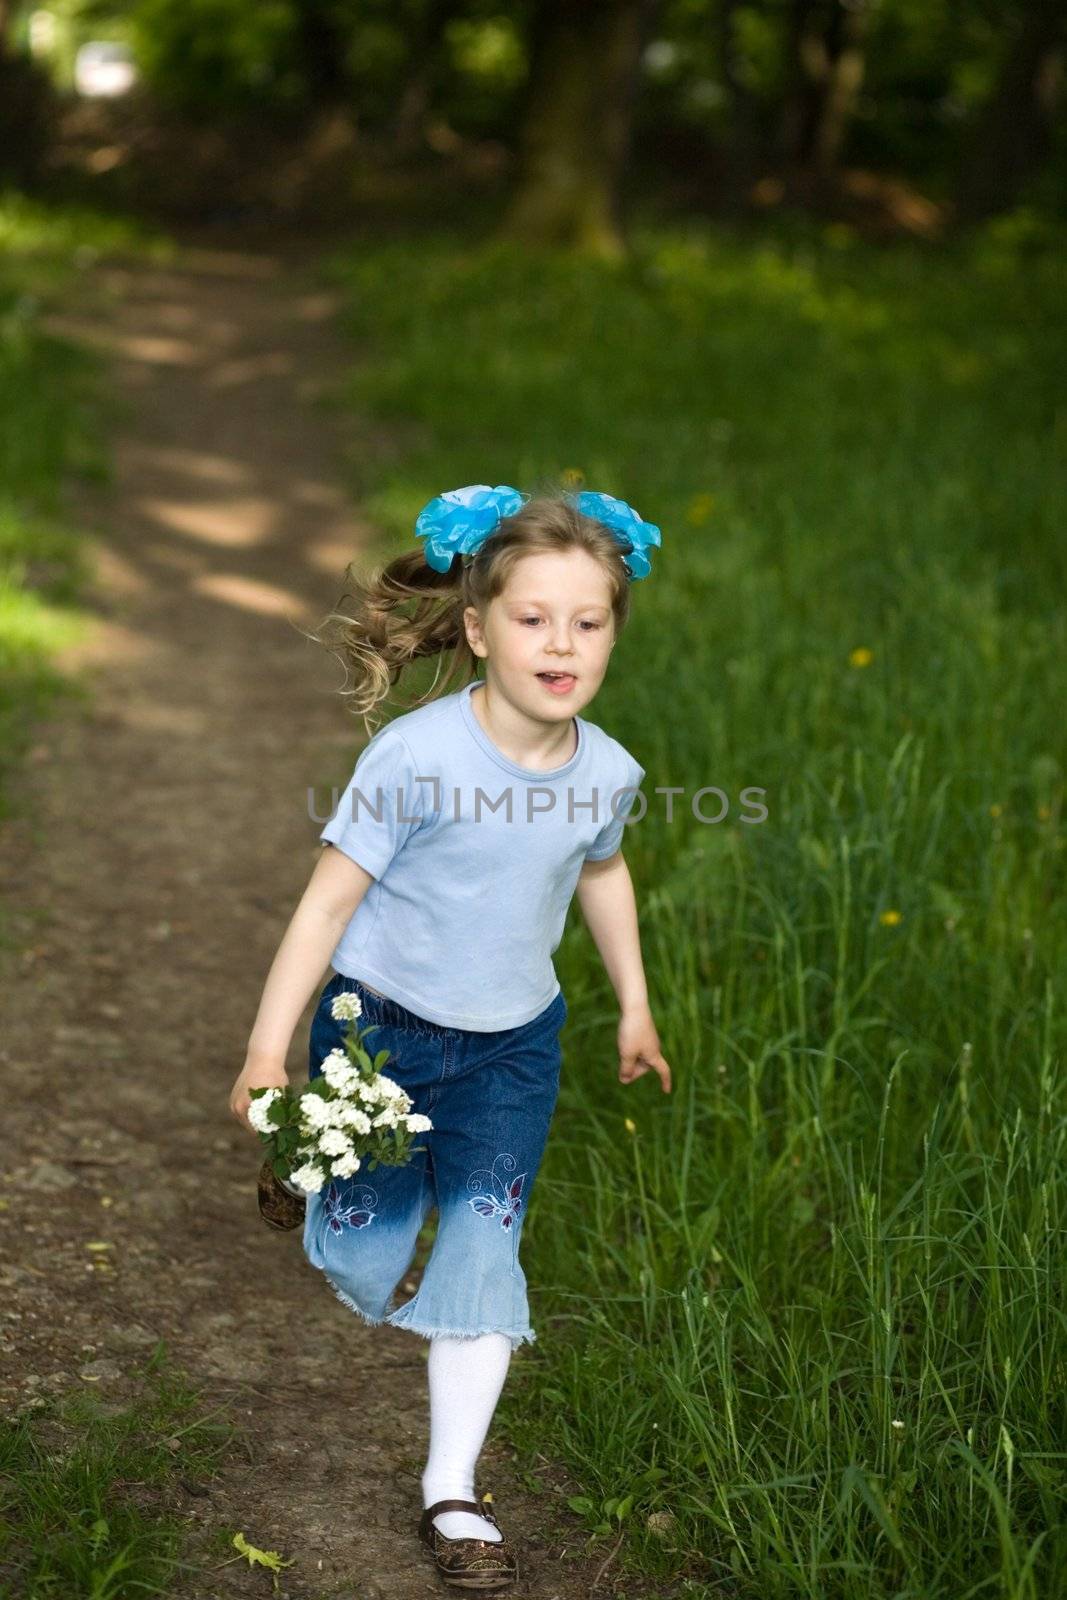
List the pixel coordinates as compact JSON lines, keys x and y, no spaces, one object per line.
{"x":469,"y":903}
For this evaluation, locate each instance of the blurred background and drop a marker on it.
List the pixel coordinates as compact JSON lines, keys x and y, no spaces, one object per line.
{"x":790,"y":277}
{"x":910,"y":116}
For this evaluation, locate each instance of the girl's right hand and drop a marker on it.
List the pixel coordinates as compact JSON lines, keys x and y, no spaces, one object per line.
{"x":255,"y":1075}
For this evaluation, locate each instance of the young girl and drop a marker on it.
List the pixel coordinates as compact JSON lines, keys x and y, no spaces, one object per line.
{"x":467,"y":827}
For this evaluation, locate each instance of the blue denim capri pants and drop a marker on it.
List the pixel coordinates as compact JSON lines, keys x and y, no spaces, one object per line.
{"x":490,"y":1097}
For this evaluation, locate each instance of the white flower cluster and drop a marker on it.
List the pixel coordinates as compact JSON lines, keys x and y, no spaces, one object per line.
{"x":356,"y":1108}
{"x":346,"y":1007}
{"x":257,"y":1111}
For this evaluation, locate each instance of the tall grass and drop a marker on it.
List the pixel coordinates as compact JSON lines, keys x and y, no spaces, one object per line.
{"x":820,"y":1287}
{"x":51,"y":414}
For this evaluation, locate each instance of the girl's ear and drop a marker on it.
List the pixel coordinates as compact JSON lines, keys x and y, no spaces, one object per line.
{"x":472,"y":626}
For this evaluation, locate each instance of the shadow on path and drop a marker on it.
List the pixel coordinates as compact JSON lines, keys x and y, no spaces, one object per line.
{"x":160,"y":843}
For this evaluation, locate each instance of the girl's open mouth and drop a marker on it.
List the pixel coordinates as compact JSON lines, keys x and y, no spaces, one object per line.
{"x":558,"y":682}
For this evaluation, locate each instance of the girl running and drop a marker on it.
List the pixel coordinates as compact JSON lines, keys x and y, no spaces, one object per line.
{"x":467,"y":827}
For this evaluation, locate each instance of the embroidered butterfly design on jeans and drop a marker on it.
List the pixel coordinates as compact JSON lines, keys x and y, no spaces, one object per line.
{"x":336,"y":1215}
{"x":506,"y":1199}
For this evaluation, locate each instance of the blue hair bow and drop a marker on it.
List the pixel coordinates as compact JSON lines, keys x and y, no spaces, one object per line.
{"x":459,"y":522}
{"x":623,"y":519}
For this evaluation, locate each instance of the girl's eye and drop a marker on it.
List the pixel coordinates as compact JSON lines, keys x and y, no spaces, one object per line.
{"x":584,"y":624}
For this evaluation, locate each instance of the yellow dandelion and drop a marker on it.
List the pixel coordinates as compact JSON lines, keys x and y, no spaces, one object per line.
{"x":890,"y":919}
{"x":630,"y":1125}
{"x":699,"y":509}
{"x":996,"y":810}
{"x":861,"y":656}
{"x":573,"y":477}
{"x":1044,"y":812}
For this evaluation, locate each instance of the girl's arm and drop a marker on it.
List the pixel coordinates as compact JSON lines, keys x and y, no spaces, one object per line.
{"x":334,"y":891}
{"x":605,"y":893}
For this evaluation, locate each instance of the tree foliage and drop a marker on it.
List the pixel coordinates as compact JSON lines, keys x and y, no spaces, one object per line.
{"x":967,"y":101}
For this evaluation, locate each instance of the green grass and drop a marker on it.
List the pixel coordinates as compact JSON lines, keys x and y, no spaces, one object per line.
{"x":52,"y":416}
{"x":820,"y":1285}
{"x":89,"y":1492}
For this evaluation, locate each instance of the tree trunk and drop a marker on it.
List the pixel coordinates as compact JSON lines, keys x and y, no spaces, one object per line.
{"x":408,"y":130}
{"x":1014,"y":133}
{"x":827,"y":53}
{"x":322,"y":47}
{"x":744,"y":148}
{"x":797,"y":111}
{"x":27,"y":108}
{"x":575,"y":136}
{"x":846,"y":51}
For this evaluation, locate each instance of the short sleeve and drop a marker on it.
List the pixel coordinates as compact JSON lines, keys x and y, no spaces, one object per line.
{"x":610,"y":836}
{"x":381,"y":806}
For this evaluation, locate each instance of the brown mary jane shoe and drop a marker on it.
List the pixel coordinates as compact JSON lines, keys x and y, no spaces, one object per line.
{"x":469,"y":1563}
{"x":277,"y":1207}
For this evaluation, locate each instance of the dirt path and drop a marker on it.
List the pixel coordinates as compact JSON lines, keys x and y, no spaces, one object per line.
{"x":164,"y":843}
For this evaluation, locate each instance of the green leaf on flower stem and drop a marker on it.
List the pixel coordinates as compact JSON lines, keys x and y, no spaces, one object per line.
{"x":380,"y":1059}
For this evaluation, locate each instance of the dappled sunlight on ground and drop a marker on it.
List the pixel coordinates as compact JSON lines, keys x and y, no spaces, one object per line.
{"x":230,"y":522}
{"x":224,"y":362}
{"x":262,"y":598}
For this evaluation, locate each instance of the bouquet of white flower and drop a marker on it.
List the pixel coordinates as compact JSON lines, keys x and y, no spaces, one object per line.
{"x":351,"y":1113}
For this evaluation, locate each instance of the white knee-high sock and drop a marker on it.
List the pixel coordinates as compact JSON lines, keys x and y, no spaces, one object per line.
{"x":465,"y":1380}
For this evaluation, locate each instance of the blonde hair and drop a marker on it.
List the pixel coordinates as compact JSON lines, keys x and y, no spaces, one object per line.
{"x":408,"y":610}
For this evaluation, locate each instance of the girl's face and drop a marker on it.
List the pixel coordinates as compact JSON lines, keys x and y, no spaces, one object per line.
{"x":554,"y":617}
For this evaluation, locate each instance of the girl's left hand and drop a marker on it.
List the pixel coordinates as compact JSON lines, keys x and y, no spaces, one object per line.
{"x":639,"y":1049}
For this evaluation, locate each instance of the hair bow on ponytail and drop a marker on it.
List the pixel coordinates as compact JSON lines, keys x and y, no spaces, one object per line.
{"x":456,"y":523}
{"x":459,"y":522}
{"x":623,"y":519}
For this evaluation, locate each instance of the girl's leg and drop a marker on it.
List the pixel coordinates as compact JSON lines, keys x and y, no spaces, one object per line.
{"x":491,"y":1098}
{"x":362,"y":1236}
{"x":361,"y":1231}
{"x":465,"y":1377}
{"x":491,"y":1120}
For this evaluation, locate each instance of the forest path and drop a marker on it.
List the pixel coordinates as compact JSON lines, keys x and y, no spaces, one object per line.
{"x":161,"y":843}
